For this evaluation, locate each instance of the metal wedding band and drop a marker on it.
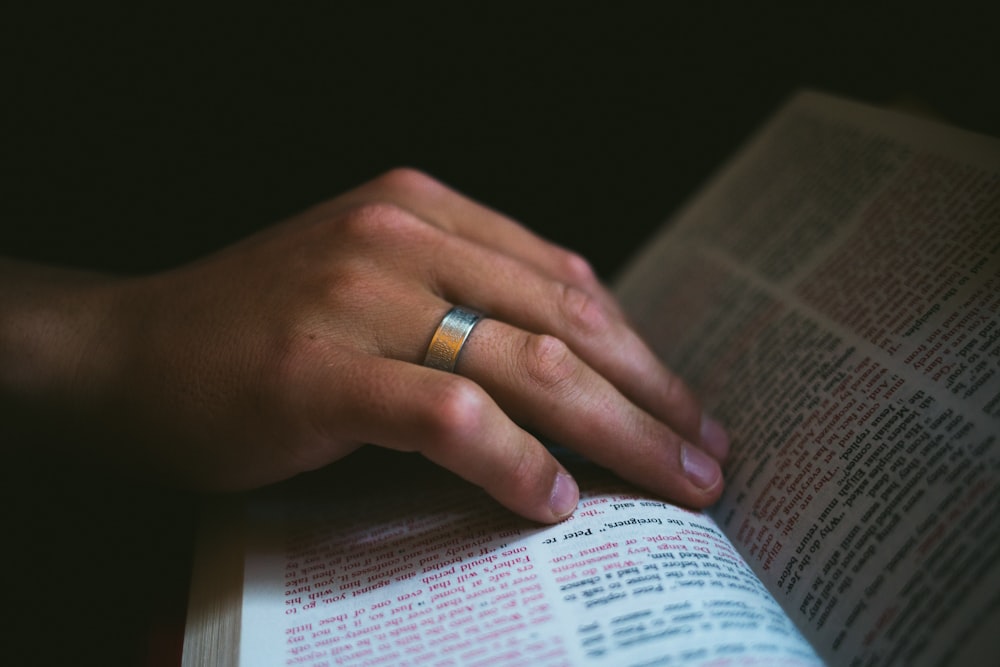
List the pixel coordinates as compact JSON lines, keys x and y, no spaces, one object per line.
{"x":449,"y":338}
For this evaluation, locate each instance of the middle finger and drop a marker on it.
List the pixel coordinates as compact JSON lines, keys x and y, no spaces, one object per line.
{"x":510,"y":291}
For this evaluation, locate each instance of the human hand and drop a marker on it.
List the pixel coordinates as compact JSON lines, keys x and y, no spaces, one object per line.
{"x":292,"y":348}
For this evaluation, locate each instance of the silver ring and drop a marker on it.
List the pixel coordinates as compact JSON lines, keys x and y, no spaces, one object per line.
{"x":451,"y":334}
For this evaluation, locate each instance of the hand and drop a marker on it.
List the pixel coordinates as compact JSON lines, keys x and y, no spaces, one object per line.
{"x":290,"y":349}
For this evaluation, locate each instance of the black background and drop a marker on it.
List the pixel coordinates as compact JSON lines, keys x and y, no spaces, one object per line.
{"x":135,"y":139}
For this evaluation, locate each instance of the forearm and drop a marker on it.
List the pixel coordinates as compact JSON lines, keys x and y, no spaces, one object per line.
{"x":54,"y":339}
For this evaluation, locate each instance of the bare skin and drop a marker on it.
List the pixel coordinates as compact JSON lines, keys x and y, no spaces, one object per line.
{"x":289,"y":350}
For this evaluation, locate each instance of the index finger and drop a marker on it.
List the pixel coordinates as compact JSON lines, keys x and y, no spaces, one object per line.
{"x":540,"y":382}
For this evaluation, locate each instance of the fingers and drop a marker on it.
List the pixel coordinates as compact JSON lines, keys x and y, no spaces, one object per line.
{"x":556,"y":357}
{"x":540,"y":382}
{"x":451,"y":421}
{"x":450,"y":211}
{"x":511,"y":292}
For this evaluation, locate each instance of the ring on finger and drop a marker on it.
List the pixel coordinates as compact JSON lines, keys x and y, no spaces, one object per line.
{"x":449,"y":338}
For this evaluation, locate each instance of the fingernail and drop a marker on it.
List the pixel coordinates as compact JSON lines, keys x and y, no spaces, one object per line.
{"x":565,"y":495}
{"x":714,"y":438}
{"x":699,"y":467}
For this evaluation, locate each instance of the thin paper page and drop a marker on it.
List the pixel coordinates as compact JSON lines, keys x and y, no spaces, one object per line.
{"x":839,"y":312}
{"x":454,"y":577}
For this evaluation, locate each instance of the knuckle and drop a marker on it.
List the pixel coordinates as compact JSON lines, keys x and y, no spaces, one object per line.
{"x":522,"y":473}
{"x":583,"y":312}
{"x":460,"y":410}
{"x":407,"y":180}
{"x":576,"y":268}
{"x":376,"y":222}
{"x":676,"y":391}
{"x":548,"y":361}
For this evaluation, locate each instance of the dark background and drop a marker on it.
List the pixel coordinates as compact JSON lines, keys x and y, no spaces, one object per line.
{"x":135,"y":139}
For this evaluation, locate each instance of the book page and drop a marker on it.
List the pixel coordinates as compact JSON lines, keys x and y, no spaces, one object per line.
{"x":834,"y":296}
{"x":423,"y":568}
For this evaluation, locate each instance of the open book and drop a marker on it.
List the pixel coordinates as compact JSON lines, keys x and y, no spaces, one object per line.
{"x":834,"y":297}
